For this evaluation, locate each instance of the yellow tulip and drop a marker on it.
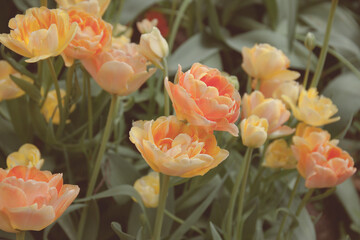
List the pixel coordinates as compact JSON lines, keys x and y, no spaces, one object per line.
{"x":268,"y":65}
{"x":149,"y":187}
{"x":28,"y":156}
{"x":290,"y":89}
{"x":40,"y":33}
{"x":50,"y":108}
{"x":154,"y":46}
{"x":279,"y":155}
{"x":254,"y":131}
{"x":9,"y":89}
{"x":313,"y":109}
{"x":94,"y":7}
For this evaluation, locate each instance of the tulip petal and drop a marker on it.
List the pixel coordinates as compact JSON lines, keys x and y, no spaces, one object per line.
{"x":67,"y":195}
{"x":5,"y":224}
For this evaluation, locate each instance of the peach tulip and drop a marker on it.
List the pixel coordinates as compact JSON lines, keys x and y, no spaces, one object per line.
{"x":313,"y":109}
{"x":145,"y":25}
{"x":268,"y":65}
{"x":254,"y":131}
{"x":31,"y":199}
{"x":175,"y":148}
{"x":9,"y":89}
{"x":204,"y":97}
{"x":271,"y":109}
{"x":119,"y":71}
{"x":93,"y":35}
{"x":93,"y":7}
{"x":40,"y":33}
{"x":289,"y":90}
{"x":320,"y":161}
{"x":28,"y":155}
{"x":149,"y":188}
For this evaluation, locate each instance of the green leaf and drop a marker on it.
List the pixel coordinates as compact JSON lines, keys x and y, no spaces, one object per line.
{"x":197,"y":213}
{"x":349,"y":198}
{"x":214,"y":233}
{"x":28,"y":88}
{"x":132,"y":8}
{"x":116,"y":227}
{"x":343,"y":90}
{"x":196,"y":49}
{"x":91,"y":229}
{"x":272,"y":11}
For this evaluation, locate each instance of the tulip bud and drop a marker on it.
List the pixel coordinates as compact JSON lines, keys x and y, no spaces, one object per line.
{"x":232,"y":79}
{"x":310,"y":41}
{"x":149,"y":187}
{"x":154,"y":47}
{"x":254,"y":131}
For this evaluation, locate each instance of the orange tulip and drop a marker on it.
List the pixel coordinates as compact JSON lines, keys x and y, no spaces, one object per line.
{"x":175,"y":148}
{"x":320,"y":161}
{"x":9,"y":89}
{"x":40,"y":33}
{"x":204,"y":97}
{"x":271,"y":109}
{"x":93,"y":35}
{"x":119,"y":71}
{"x":31,"y":199}
{"x":93,"y":7}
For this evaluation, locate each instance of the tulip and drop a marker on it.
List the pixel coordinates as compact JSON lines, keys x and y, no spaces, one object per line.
{"x":320,"y":161}
{"x":119,"y":71}
{"x":31,"y":199}
{"x":50,"y":108}
{"x":162,"y":23}
{"x":313,"y":109}
{"x":254,"y":131}
{"x":40,"y":33}
{"x":268,"y":65}
{"x":271,"y":109}
{"x":154,"y":47}
{"x":279,"y":155}
{"x":175,"y":148}
{"x":93,"y":7}
{"x":204,"y":97}
{"x":149,"y":188}
{"x":28,"y":156}
{"x":9,"y":89}
{"x":92,"y":37}
{"x":288,"y":89}
{"x":146,"y":25}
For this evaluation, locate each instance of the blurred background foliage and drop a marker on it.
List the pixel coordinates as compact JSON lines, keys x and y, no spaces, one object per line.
{"x":212,"y":32}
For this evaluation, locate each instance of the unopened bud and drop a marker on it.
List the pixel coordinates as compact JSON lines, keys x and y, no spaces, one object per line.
{"x":310,"y":41}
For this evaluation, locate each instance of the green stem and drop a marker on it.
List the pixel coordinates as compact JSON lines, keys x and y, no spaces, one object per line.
{"x":40,"y":74}
{"x":176,"y":25}
{"x":90,"y":108}
{"x":293,"y":193}
{"x":69,"y":78}
{"x":180,"y":221}
{"x":166,"y":95}
{"x":164,"y":187}
{"x":239,"y":219}
{"x":43,"y":3}
{"x":304,"y":201}
{"x":58,"y":95}
{"x":231,"y":208}
{"x":20,"y":236}
{"x":325,"y":47}
{"x":248,"y":85}
{"x":306,"y":77}
{"x":96,"y":169}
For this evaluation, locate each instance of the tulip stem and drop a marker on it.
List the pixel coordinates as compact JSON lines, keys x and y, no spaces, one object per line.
{"x":291,"y":199}
{"x":166,"y":95}
{"x":239,"y":218}
{"x":306,"y":77}
{"x":43,"y":3}
{"x":98,"y":161}
{"x":20,"y":236}
{"x":164,"y":187}
{"x":58,"y":95}
{"x":325,"y":46}
{"x":304,"y":201}
{"x":89,"y":103}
